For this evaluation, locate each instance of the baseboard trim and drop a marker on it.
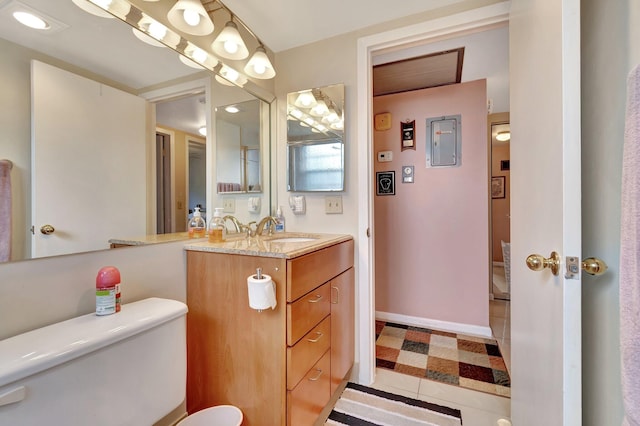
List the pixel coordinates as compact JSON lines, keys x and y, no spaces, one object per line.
{"x":453,"y":327}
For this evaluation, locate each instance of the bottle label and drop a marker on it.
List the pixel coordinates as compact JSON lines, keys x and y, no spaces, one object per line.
{"x":280,"y":226}
{"x":106,"y":301}
{"x":118,"y":298}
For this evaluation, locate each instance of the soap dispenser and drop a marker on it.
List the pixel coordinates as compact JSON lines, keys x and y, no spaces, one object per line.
{"x":197,"y":226}
{"x":279,"y":220}
{"x":217,"y":231}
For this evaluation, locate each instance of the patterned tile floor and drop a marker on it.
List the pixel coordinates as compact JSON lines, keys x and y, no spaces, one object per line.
{"x":465,"y":361}
{"x":478,"y":408}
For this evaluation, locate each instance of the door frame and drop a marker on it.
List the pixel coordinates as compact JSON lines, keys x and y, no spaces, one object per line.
{"x":493,"y":119}
{"x":192,"y":87}
{"x":426,"y":32}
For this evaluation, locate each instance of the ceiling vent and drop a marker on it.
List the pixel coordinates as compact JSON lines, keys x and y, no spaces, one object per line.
{"x":435,"y":69}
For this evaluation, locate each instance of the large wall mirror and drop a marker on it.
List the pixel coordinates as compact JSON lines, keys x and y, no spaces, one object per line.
{"x":65,"y":75}
{"x":315,"y":139}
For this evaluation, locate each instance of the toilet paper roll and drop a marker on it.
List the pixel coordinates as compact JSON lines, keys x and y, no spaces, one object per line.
{"x":262,"y":292}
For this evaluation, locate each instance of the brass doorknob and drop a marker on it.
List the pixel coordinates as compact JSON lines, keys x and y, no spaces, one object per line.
{"x":47,"y":229}
{"x":594,"y":266}
{"x":537,"y":262}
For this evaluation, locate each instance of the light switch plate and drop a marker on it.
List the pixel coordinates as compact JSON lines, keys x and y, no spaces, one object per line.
{"x":333,"y":204}
{"x":229,"y":205}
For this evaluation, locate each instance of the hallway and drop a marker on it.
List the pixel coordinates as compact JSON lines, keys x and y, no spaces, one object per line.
{"x":478,"y":408}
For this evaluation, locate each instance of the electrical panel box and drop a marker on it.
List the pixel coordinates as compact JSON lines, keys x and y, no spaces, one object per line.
{"x":444,"y":141}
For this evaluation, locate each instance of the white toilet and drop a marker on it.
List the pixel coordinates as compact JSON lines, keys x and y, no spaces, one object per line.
{"x":127,"y":368}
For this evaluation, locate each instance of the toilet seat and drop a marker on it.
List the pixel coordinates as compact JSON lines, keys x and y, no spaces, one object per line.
{"x":220,"y":415}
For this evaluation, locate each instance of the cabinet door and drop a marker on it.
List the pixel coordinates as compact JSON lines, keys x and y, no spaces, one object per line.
{"x":342,"y":327}
{"x":308,"y":399}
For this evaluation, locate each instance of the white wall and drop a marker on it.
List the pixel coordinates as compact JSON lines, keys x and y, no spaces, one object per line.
{"x":15,"y":137}
{"x":40,"y":292}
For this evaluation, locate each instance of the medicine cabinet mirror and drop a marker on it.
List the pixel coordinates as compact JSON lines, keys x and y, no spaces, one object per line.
{"x":315,"y":139}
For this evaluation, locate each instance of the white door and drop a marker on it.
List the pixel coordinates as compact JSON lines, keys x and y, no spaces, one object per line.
{"x":545,"y":217}
{"x":88,"y":163}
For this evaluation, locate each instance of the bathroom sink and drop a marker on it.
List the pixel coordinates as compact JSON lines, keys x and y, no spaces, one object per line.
{"x":292,"y":240}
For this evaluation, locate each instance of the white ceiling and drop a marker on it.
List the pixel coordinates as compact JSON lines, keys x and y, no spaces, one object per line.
{"x":284,"y":24}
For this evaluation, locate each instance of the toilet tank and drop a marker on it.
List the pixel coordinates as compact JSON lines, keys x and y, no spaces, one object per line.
{"x":128,"y":368}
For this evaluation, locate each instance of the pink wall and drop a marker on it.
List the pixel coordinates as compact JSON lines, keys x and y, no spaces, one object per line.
{"x":432,"y":247}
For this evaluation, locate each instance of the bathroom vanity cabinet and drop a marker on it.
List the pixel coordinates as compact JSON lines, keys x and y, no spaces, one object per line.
{"x":280,"y":366}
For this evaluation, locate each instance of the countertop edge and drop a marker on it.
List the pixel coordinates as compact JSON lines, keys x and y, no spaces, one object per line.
{"x":261,"y":246}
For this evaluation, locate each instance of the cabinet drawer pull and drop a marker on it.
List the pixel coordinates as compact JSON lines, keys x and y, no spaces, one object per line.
{"x":317,"y":338}
{"x":317,"y":299}
{"x":337,"y":295}
{"x":313,"y":379}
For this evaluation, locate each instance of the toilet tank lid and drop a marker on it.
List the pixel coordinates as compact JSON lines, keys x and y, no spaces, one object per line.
{"x":37,"y":350}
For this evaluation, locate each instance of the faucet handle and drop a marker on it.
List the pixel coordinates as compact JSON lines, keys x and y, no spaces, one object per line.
{"x":247,"y":228}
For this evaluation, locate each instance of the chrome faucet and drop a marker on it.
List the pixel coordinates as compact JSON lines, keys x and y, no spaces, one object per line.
{"x":269,"y":221}
{"x":236,"y":223}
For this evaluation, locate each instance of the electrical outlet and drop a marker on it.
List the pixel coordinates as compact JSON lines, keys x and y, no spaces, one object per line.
{"x":333,"y":204}
{"x":229,"y":205}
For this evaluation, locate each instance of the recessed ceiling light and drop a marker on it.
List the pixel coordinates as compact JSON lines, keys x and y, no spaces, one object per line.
{"x":232,"y":109}
{"x":30,"y":20}
{"x":503,"y":136}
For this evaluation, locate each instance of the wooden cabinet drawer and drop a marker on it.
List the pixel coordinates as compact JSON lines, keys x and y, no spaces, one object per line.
{"x":307,"y":272}
{"x":307,"y":400}
{"x":306,"y":312}
{"x":305,"y":353}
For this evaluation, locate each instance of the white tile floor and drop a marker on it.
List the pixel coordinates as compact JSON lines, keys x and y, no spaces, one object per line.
{"x":478,"y":408}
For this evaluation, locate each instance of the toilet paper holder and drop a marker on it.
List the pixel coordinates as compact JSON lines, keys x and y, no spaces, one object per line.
{"x":261,"y":291}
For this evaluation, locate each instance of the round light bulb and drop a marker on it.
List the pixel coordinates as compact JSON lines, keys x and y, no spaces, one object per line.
{"x":199,"y":55}
{"x":157,"y":30}
{"x":232,"y":74}
{"x":231,"y":46}
{"x":259,"y":68}
{"x":102,"y":3}
{"x":191,"y":17}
